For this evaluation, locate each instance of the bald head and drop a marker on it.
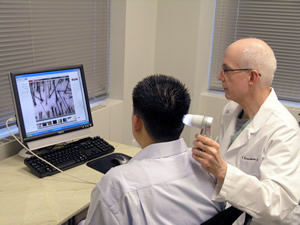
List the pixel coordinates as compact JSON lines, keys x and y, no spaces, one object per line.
{"x":255,"y":54}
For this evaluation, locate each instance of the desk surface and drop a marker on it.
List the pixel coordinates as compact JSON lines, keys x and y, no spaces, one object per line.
{"x":27,"y":199}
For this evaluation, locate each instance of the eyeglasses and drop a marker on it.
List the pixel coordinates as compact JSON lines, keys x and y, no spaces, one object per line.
{"x":229,"y":70}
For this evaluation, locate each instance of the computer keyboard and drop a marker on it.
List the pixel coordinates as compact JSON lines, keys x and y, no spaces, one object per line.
{"x":68,"y":155}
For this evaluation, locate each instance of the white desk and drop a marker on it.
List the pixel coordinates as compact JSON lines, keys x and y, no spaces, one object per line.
{"x":27,"y":199}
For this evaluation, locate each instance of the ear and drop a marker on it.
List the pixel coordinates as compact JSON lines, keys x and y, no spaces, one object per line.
{"x":137,"y":122}
{"x":253,"y":77}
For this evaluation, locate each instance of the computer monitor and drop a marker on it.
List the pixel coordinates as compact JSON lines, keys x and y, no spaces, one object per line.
{"x":51,"y":105}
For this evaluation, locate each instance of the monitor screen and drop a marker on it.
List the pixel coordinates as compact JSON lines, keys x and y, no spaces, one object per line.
{"x":51,"y":105}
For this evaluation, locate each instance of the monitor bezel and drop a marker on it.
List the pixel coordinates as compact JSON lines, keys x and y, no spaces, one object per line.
{"x":18,"y":109}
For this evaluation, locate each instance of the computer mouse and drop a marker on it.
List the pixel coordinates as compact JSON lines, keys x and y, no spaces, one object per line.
{"x":120,"y":160}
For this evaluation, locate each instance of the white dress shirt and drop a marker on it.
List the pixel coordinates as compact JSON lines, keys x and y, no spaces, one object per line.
{"x":263,"y":174}
{"x":162,"y":185}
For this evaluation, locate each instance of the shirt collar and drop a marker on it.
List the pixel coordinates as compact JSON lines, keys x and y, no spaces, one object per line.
{"x":163,"y":149}
{"x":264,"y":111}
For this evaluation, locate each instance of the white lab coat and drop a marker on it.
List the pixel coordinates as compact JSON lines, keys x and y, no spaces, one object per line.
{"x":263,"y":175}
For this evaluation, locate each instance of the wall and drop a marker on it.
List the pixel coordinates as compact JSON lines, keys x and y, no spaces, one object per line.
{"x":139,"y":55}
{"x":158,"y":36}
{"x":176,"y":43}
{"x":172,"y":37}
{"x":184,"y":35}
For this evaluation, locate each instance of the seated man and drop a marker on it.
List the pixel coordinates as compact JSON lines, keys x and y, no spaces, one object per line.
{"x":162,"y":184}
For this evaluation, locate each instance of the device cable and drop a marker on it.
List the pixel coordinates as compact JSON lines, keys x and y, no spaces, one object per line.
{"x":82,"y":180}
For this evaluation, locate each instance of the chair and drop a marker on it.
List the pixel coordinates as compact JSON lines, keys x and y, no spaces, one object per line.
{"x":227,"y":217}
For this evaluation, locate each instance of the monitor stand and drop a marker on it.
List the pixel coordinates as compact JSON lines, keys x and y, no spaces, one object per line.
{"x":24,"y":153}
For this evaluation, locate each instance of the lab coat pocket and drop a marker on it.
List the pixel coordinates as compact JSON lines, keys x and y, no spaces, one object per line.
{"x":250,"y":165}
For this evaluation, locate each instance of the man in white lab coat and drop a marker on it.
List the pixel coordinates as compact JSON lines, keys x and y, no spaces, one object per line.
{"x":162,"y":184}
{"x":257,"y":159}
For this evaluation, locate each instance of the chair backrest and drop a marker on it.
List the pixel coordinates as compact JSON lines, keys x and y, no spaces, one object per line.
{"x":227,"y":217}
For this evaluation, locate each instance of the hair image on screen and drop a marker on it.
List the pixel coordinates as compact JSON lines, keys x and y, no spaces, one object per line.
{"x":52,"y":98}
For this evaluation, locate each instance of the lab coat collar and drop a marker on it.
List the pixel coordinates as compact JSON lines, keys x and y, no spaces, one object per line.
{"x":264,"y":112}
{"x":160,"y":150}
{"x":258,"y":121}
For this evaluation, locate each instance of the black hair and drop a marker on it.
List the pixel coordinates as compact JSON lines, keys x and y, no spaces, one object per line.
{"x":161,"y":101}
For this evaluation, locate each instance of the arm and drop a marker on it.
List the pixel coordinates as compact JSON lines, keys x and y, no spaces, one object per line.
{"x":272,"y":196}
{"x":207,"y":153}
{"x":98,"y":212}
{"x":263,"y":200}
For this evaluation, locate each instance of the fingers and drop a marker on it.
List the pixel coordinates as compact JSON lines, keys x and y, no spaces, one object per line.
{"x":206,"y":147}
{"x":202,"y":142}
{"x":204,"y":139}
{"x":198,"y":145}
{"x":207,"y":152}
{"x":206,"y":160}
{"x":197,"y":158}
{"x":202,"y":156}
{"x":211,"y":161}
{"x":197,"y":154}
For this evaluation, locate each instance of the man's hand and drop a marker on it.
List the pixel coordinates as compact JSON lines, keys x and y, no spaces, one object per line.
{"x":207,"y":152}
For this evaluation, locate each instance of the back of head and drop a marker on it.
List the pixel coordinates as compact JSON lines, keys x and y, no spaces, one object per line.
{"x":161,"y":101}
{"x":258,"y":55}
